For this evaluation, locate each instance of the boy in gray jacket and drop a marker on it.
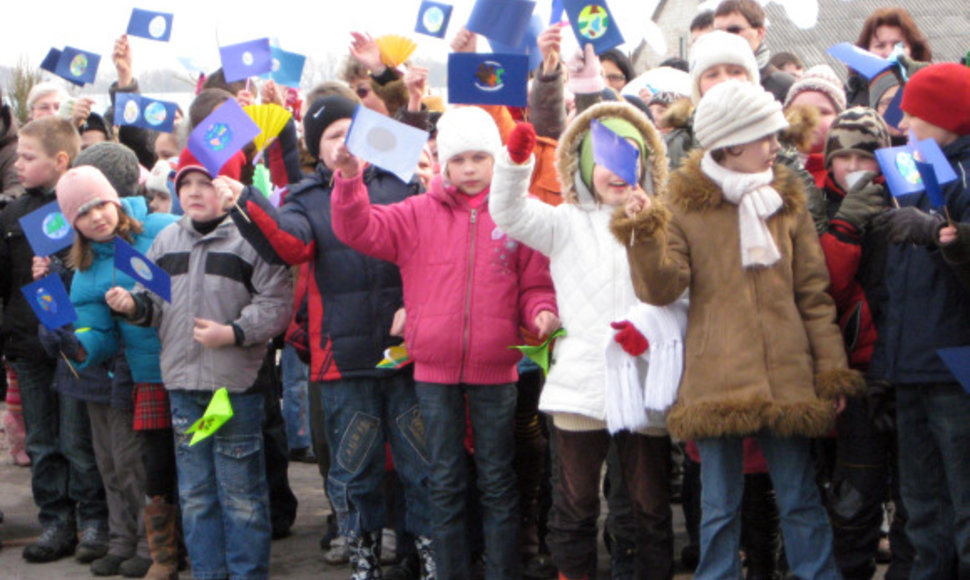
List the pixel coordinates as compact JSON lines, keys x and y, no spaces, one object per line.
{"x":227,"y":303}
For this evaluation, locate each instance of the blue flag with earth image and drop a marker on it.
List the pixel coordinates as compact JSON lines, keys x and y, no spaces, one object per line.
{"x":144,"y":271}
{"x":47,"y":230}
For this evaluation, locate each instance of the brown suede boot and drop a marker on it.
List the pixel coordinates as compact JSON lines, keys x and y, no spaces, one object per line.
{"x":160,"y":526}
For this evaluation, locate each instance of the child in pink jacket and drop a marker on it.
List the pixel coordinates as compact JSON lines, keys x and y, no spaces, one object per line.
{"x":468,"y":289}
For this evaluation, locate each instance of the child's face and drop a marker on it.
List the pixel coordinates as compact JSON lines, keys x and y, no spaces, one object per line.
{"x":608,"y":187}
{"x":425,"y":170}
{"x":883,"y":105}
{"x":826,"y":111}
{"x":198,"y":197}
{"x":924,"y":130}
{"x":332,"y":148}
{"x":165,"y":146}
{"x":755,"y":157}
{"x":845,"y":163}
{"x":719,"y":73}
{"x":161,"y":202}
{"x":470,"y":171}
{"x":99,"y":223}
{"x":35,"y":168}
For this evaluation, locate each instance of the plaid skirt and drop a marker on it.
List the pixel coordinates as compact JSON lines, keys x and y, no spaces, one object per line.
{"x":152,"y":410}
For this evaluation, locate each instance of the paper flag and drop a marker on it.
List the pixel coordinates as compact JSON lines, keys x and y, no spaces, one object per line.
{"x":135,"y":264}
{"x":144,"y":112}
{"x":894,"y":112}
{"x":220,"y":135}
{"x":216,"y":414}
{"x":287,"y":67}
{"x":502,"y":20}
{"x":262,"y":181}
{"x":395,"y":49}
{"x":488,"y":79}
{"x":529,"y":45}
{"x":50,"y":301}
{"x":385,"y":142}
{"x":932,"y":186}
{"x":903,"y":177}
{"x":270,"y":118}
{"x":555,"y":15}
{"x":957,"y":359}
{"x":50,"y":61}
{"x":615,"y":153}
{"x":77,"y":66}
{"x":540,"y":354}
{"x":276,"y":197}
{"x":46,"y":229}
{"x":593,"y":22}
{"x":862,"y":61}
{"x":433,"y":19}
{"x":395,"y":357}
{"x":150,"y":25}
{"x":246,"y":59}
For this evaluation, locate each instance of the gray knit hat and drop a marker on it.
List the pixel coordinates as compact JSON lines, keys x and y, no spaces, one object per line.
{"x":117,"y":162}
{"x":821,"y":79}
{"x":879,"y":85}
{"x":734,"y":113}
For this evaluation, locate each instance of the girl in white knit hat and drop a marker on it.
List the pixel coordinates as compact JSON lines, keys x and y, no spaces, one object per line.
{"x":764,"y":356}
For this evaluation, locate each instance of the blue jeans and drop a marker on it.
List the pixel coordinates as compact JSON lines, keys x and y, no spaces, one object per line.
{"x":492,"y":412}
{"x":222,"y":488}
{"x":295,"y":407}
{"x":804,"y":523}
{"x":64,"y":476}
{"x":933,"y":425}
{"x":360,"y":416}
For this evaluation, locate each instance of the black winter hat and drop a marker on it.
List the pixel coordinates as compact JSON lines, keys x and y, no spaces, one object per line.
{"x":117,"y":162}
{"x":321,"y":114}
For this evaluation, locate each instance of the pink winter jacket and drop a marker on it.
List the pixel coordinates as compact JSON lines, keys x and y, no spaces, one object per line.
{"x":468,"y":288}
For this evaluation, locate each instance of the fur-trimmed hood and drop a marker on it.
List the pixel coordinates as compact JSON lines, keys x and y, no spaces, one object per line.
{"x":800,"y":133}
{"x":567,"y":153}
{"x":678,"y":114}
{"x":692,"y":190}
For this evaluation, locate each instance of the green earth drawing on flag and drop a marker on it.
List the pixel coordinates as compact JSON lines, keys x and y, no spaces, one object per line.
{"x":593,"y":21}
{"x":55,"y":226}
{"x":433,"y":19}
{"x":79,"y":64}
{"x":218,"y":136}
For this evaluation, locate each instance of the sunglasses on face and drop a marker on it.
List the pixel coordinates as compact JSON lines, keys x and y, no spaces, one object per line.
{"x":735,"y":29}
{"x":362,"y":91}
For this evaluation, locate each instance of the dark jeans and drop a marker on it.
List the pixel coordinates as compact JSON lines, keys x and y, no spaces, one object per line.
{"x":491,"y":409}
{"x":64,"y":479}
{"x":282,"y":502}
{"x":645,"y":462}
{"x":933,"y":425}
{"x":160,"y":473}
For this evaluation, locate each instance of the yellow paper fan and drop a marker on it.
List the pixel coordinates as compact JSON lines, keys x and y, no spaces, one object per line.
{"x":395,"y":49}
{"x":270,"y":118}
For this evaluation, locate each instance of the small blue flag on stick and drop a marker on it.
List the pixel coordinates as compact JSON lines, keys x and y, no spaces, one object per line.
{"x":135,"y":264}
{"x":488,"y":79}
{"x":49,"y":299}
{"x":385,"y":142}
{"x":615,"y":153}
{"x":145,"y":112}
{"x":150,"y":25}
{"x":47,"y":230}
{"x":221,"y":135}
{"x":246,"y":59}
{"x":433,"y":18}
{"x":862,"y":61}
{"x":593,"y":23}
{"x":77,"y":66}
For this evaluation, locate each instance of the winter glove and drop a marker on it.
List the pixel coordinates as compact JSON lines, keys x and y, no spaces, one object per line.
{"x":522,"y":141}
{"x":628,"y":337}
{"x":909,"y":224}
{"x":864,"y":201}
{"x":585,"y":73}
{"x":881,"y":404}
{"x":59,"y":340}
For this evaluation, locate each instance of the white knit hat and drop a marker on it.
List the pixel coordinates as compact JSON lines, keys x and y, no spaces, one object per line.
{"x":735,"y":113}
{"x":719,"y":47}
{"x":820,"y":78}
{"x":161,"y":176}
{"x":466,"y":129}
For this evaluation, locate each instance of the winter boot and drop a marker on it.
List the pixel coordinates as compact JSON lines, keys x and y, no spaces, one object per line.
{"x":426,"y":554}
{"x":160,"y":525}
{"x":365,"y":556}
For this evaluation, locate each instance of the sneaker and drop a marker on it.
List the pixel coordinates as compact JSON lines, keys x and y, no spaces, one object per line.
{"x":93,"y":545}
{"x":107,"y":566}
{"x":135,"y":567}
{"x":55,"y":543}
{"x":339,"y":552}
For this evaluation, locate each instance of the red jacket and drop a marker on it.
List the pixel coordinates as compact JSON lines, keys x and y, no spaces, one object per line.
{"x":467,"y":286}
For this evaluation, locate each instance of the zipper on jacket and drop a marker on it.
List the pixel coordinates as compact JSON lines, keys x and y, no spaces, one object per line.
{"x":466,"y":322}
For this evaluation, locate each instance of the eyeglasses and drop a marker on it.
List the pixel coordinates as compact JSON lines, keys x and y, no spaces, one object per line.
{"x":735,"y":29}
{"x":616,"y":78}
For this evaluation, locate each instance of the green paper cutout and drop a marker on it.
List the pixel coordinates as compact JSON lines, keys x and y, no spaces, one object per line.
{"x":261,"y":180}
{"x":216,"y":414}
{"x":540,"y":354}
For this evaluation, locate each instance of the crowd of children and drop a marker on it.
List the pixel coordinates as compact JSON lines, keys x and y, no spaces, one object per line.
{"x":744,"y":317}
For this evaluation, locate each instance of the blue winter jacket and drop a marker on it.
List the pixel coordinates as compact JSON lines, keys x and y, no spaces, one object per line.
{"x":101,"y":333}
{"x":927,"y":307}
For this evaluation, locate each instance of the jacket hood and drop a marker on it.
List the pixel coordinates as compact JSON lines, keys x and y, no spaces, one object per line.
{"x":802,"y":120}
{"x":691,"y":190}
{"x":678,"y":114}
{"x":567,"y":152}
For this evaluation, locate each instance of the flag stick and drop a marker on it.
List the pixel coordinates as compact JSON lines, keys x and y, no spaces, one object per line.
{"x":70,"y":366}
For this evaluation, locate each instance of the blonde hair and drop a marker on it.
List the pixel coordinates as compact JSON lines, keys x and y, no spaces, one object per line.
{"x":54,"y":135}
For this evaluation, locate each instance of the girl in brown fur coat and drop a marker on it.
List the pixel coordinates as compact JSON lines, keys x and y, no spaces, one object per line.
{"x":764,"y":356}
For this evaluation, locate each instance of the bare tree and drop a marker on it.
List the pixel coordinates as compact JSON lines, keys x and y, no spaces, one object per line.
{"x":23,"y":78}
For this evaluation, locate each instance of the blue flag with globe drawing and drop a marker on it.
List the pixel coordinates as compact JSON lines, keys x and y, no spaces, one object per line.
{"x":220,"y":135}
{"x":47,"y":230}
{"x":488,"y":79}
{"x":135,"y":264}
{"x":287,"y":67}
{"x":145,"y":112}
{"x":150,"y":25}
{"x":433,"y":19}
{"x":914,"y":167}
{"x":78,"y":66}
{"x":246,"y":59}
{"x":49,"y":299}
{"x":593,"y":23}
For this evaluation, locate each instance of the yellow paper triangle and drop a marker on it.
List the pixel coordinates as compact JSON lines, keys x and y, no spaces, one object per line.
{"x":270,"y":118}
{"x":395,"y":49}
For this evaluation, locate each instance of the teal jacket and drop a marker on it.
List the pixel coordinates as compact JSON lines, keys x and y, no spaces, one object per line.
{"x":100,"y":332}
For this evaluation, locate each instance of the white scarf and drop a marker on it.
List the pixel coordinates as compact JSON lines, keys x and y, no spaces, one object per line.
{"x":756,"y":201}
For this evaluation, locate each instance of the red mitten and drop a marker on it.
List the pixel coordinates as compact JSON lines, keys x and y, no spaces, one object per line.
{"x":631,"y":339}
{"x":522,"y":141}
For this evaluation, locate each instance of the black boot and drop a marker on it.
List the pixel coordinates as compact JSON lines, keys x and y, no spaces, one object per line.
{"x":759,"y":526}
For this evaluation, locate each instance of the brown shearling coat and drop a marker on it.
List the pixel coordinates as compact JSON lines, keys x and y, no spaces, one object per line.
{"x":762,"y":349}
